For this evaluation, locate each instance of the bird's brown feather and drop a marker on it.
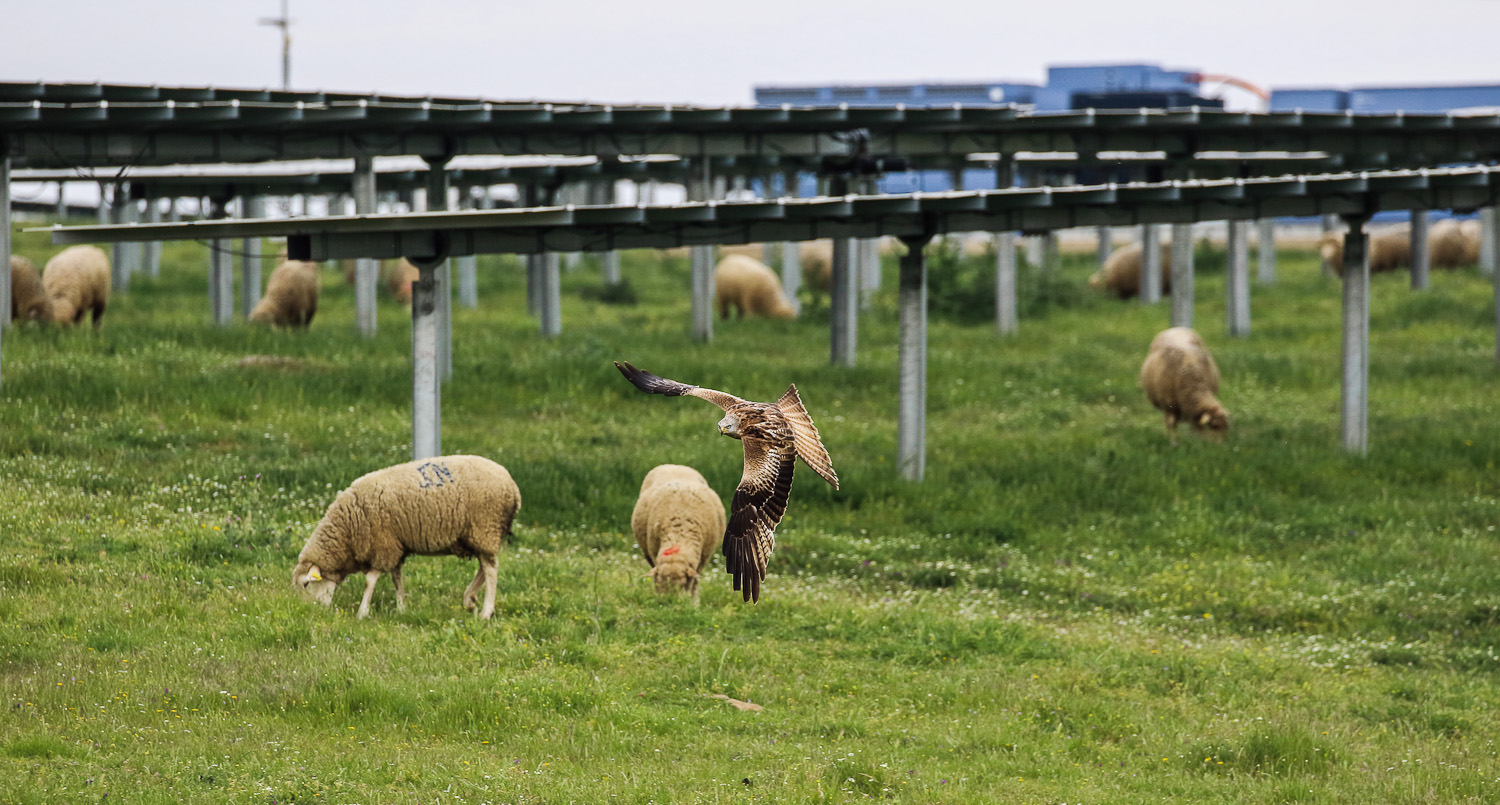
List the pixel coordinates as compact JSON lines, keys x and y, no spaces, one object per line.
{"x":805,"y":434}
{"x":653,"y":384}
{"x":758,"y":505}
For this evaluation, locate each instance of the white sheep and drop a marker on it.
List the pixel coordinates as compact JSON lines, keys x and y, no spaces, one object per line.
{"x":449,"y":505}
{"x":291,"y":298}
{"x":1181,"y":380}
{"x":1451,"y":244}
{"x":750,"y":287}
{"x":28,"y":299}
{"x":77,"y":281}
{"x":678,"y":523}
{"x":1388,"y":250}
{"x":1121,"y":272}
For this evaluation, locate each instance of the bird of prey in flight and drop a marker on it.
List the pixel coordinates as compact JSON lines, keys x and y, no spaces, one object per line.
{"x":774,"y":434}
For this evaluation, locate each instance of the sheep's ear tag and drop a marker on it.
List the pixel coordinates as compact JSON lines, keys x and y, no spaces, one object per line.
{"x":314,"y":575}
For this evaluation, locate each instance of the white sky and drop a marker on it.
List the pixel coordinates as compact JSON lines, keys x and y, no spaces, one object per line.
{"x":711,"y":52}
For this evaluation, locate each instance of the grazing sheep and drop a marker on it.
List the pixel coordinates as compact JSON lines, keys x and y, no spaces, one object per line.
{"x":1121,"y":272}
{"x":28,"y":300}
{"x":291,"y":297}
{"x":747,"y":285}
{"x":77,"y":281}
{"x":396,"y":275}
{"x":449,"y":505}
{"x":1180,"y":379}
{"x":1450,"y":244}
{"x":679,"y":523}
{"x":1388,"y":250}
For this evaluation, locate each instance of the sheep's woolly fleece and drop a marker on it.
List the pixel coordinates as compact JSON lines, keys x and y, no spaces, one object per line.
{"x":1121,"y":272}
{"x":77,"y":282}
{"x":291,"y":298}
{"x":678,"y":523}
{"x":747,"y":285}
{"x":1181,"y":379}
{"x":28,"y":299}
{"x":450,"y":505}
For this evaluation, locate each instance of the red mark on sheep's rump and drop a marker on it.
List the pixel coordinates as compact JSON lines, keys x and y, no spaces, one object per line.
{"x":671,"y":550}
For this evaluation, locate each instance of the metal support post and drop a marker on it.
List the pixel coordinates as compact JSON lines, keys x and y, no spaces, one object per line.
{"x":250,"y":253}
{"x":5,"y":245}
{"x":1007,"y":300}
{"x":366,"y":270}
{"x":220,"y":270}
{"x":437,"y":200}
{"x":791,"y":251}
{"x":1265,"y":251}
{"x":152,"y":249}
{"x":426,"y":391}
{"x":468,"y":276}
{"x":1150,"y":292}
{"x":1237,"y":282}
{"x":1182,"y":275}
{"x":533,"y":284}
{"x":610,"y":261}
{"x":911,"y":421}
{"x":1489,"y":244}
{"x":700,"y":189}
{"x":843,"y":301}
{"x":1106,"y":244}
{"x":550,"y":299}
{"x":1356,"y":387}
{"x":119,"y":258}
{"x":1421,"y":261}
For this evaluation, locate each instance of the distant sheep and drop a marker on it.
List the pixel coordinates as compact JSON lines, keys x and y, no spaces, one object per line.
{"x":291,"y":298}
{"x":396,"y":275}
{"x":1121,"y":273}
{"x":745,"y":284}
{"x":28,"y":299}
{"x":77,"y":282}
{"x":679,"y":524}
{"x":1389,"y":250}
{"x":1181,"y":380}
{"x":1452,"y":244}
{"x":451,"y":505}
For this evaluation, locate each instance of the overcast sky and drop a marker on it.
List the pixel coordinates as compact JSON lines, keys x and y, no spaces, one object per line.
{"x":704,"y":51}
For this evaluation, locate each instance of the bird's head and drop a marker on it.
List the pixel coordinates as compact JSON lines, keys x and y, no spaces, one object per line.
{"x":730,"y":426}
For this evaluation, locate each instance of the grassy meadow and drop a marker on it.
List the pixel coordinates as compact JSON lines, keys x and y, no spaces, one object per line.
{"x":1067,"y":610}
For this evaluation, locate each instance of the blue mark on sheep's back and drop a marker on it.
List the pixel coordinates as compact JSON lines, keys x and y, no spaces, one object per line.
{"x":434,"y":474}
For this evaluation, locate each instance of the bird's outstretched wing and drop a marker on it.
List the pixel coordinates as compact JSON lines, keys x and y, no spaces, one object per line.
{"x":651,"y":384}
{"x":805,"y":435}
{"x":759,"y":502}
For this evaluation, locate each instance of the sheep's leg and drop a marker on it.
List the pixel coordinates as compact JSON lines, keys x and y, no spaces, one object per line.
{"x":471,"y":594}
{"x":371,"y":576}
{"x":1171,"y":427}
{"x":487,"y":566}
{"x":98,"y":313}
{"x":400,"y":589}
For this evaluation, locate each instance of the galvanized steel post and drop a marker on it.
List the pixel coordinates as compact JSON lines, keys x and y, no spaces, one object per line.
{"x":843,"y":294}
{"x":1489,"y":243}
{"x":1182,"y":275}
{"x":437,"y":200}
{"x":1356,"y":386}
{"x":366,"y":270}
{"x":911,"y":434}
{"x":468,"y":278}
{"x":1007,"y":304}
{"x":610,"y":261}
{"x":1237,"y":282}
{"x":5,"y":300}
{"x":700,"y":187}
{"x":1421,"y":261}
{"x":119,"y":256}
{"x":152,"y":249}
{"x":220,"y":270}
{"x":550,"y":299}
{"x":791,"y":251}
{"x":250,"y":207}
{"x":1265,"y":251}
{"x":1105,"y":245}
{"x":426,"y":391}
{"x":1150,"y":291}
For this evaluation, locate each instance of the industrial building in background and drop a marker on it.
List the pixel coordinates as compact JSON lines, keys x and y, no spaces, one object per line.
{"x":1115,"y":86}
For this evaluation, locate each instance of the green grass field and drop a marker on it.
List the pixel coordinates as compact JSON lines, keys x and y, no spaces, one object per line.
{"x":1067,"y":610}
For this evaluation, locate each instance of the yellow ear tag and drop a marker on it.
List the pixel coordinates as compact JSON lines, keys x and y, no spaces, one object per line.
{"x":315,"y":575}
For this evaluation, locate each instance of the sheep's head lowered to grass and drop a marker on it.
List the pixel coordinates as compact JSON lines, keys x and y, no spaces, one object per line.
{"x":315,"y":586}
{"x":674,"y":577}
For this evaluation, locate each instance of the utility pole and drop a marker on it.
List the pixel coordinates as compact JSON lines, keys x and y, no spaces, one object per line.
{"x":283,"y":22}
